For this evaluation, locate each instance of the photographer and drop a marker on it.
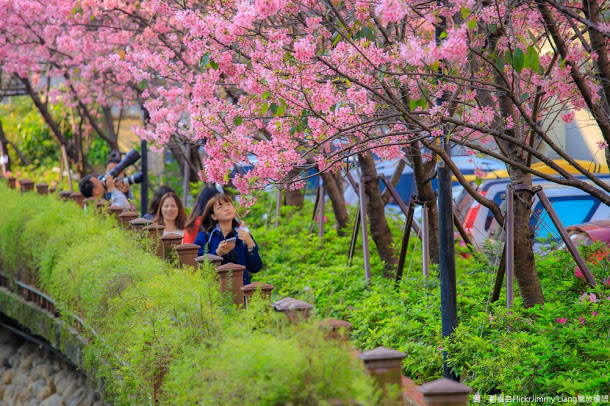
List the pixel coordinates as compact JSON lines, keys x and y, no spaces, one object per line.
{"x":114,"y":158}
{"x":91,"y":186}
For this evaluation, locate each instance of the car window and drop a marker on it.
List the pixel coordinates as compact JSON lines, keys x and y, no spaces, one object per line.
{"x":570,"y":210}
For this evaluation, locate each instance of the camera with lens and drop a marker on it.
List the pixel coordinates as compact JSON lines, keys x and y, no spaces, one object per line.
{"x":137,"y":177}
{"x":130,"y":158}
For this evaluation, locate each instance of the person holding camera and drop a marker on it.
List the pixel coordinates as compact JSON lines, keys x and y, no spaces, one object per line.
{"x":225,"y":236}
{"x":91,"y":186}
{"x":114,"y":158}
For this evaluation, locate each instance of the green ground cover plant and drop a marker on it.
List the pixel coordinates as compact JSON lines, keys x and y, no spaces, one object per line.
{"x":561,"y":348}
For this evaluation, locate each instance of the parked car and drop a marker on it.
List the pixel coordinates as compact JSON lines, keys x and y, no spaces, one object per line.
{"x":478,"y":220}
{"x":573,"y":206}
{"x":406,"y":184}
{"x":589,"y":233}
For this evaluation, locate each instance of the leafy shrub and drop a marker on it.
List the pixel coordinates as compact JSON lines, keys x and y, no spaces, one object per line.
{"x":528,"y":351}
{"x":161,"y":333}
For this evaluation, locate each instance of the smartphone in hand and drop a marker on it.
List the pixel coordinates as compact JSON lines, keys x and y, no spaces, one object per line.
{"x":232,"y":239}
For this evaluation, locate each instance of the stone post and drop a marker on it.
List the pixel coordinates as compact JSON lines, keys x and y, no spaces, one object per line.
{"x":187,"y":254}
{"x":126,"y":217}
{"x":169,"y":242}
{"x":100,"y":206}
{"x":384,"y":365}
{"x":65,"y":195}
{"x":249,"y":289}
{"x":215,"y":260}
{"x":445,"y":392}
{"x":114,"y":210}
{"x":26,"y":185}
{"x":139,"y":223}
{"x":12,"y":182}
{"x":336,"y":329}
{"x":78,"y":198}
{"x":154,"y":232}
{"x":231,"y":280}
{"x":89,"y":203}
{"x":295,"y":310}
{"x":42,"y":188}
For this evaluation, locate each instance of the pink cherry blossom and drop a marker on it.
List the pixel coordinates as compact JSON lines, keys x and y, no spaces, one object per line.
{"x":568,"y":117}
{"x":588,"y":298}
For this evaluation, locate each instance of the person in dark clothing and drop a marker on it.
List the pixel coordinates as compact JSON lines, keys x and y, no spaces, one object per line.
{"x":222,"y":235}
{"x":154,"y":203}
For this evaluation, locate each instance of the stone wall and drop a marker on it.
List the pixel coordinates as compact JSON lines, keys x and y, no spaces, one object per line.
{"x":32,"y":375}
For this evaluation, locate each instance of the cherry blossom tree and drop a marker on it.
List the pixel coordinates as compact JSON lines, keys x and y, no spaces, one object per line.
{"x":59,"y":55}
{"x":301,"y":84}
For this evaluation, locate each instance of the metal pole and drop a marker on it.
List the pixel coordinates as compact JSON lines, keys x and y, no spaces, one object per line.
{"x":185,"y":179}
{"x":321,"y":212}
{"x":144,"y":161}
{"x":352,"y":244}
{"x":405,"y":243}
{"x":445,"y":226}
{"x":365,"y":236}
{"x":278,"y":204}
{"x":399,"y":200}
{"x":425,"y":241}
{"x":67,"y":165}
{"x":315,"y":210}
{"x":499,"y":276}
{"x":566,"y":238}
{"x":510,"y":245}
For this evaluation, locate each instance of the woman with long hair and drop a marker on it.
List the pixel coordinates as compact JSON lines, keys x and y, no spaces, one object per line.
{"x":154,"y":203}
{"x":223,"y":235}
{"x":193,"y":223}
{"x":171,"y":214}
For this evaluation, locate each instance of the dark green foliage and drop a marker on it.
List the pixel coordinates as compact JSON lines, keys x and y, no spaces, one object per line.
{"x":527,"y":352}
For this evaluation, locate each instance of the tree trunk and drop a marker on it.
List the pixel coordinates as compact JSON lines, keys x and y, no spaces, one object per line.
{"x":524,"y":262}
{"x":195,"y":164}
{"x":6,"y":165}
{"x":423,"y":173}
{"x":380,"y":231}
{"x":71,"y":148}
{"x":112,"y":138}
{"x":335,"y":194}
{"x":294,"y":197}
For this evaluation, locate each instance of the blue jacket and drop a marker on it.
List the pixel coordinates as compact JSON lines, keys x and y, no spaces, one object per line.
{"x":251,"y":260}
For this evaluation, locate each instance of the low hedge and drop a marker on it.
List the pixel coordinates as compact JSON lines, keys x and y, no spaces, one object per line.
{"x":163,"y":334}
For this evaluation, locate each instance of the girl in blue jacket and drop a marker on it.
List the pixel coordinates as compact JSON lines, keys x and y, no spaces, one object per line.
{"x":224,"y":236}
